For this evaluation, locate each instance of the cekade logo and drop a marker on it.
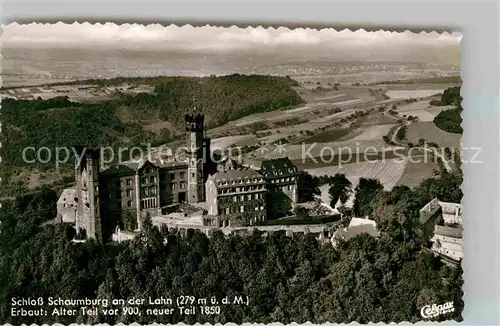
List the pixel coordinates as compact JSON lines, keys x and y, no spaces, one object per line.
{"x":435,"y":310}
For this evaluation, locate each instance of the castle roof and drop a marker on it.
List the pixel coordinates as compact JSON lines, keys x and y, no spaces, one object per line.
{"x":67,"y":196}
{"x":243,"y":175}
{"x":279,"y":167}
{"x":131,"y":167}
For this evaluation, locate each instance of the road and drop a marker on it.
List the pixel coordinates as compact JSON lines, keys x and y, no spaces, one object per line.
{"x":406,"y":123}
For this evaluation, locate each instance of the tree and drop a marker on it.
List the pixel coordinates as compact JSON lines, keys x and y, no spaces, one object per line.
{"x":308,"y":186}
{"x":365,"y":192}
{"x":340,"y":189}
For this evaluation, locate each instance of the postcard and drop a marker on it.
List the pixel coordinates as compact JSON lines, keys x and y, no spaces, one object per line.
{"x":216,"y":174}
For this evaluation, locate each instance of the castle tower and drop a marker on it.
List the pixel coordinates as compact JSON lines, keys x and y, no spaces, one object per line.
{"x":88,"y":217}
{"x":195,"y":154}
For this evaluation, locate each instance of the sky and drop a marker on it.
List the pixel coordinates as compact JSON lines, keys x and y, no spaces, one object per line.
{"x":210,"y":38}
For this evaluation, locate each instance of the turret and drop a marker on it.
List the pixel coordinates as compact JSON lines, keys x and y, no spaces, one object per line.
{"x":194,"y":123}
{"x":88,"y":215}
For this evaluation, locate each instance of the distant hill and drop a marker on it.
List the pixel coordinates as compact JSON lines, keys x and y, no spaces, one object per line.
{"x":126,"y":119}
{"x":450,"y":120}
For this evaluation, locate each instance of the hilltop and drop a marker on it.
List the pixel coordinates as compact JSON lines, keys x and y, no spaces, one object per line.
{"x":127,"y":118}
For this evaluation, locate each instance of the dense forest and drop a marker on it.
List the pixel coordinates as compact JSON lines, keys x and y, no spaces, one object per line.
{"x":286,"y":279}
{"x":450,"y":120}
{"x":122,"y":119}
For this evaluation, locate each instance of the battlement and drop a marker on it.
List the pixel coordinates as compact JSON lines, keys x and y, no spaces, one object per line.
{"x":194,"y":121}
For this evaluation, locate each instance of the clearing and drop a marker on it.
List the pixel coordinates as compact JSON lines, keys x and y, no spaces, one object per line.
{"x":415,"y":172}
{"x":428,"y":131}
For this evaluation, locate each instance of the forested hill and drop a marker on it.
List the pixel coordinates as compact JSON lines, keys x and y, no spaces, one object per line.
{"x":222,"y":98}
{"x":127,"y":119}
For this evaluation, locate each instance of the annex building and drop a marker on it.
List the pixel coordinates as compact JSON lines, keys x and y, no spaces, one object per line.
{"x":121,"y":196}
{"x":447,"y":221}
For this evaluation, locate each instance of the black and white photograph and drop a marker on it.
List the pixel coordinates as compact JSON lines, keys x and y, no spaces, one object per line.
{"x":221,"y":174}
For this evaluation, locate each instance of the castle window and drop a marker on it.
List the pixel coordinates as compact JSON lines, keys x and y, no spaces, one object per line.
{"x":153,"y":179}
{"x":242,"y":197}
{"x":129,"y":182}
{"x":192,"y":174}
{"x":146,"y":192}
{"x":182,"y":175}
{"x":249,"y":196}
{"x":129,"y":203}
{"x":153,"y":191}
{"x":145,"y":180}
{"x":174,"y":186}
{"x":227,"y":210}
{"x":172,"y":176}
{"x":242,"y":209}
{"x":235,"y":199}
{"x":183,"y":185}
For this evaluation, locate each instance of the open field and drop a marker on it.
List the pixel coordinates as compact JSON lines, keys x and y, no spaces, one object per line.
{"x":415,"y":172}
{"x":422,"y":109}
{"x":77,"y":93}
{"x":387,"y":171}
{"x":224,"y":142}
{"x":429,"y":131}
{"x":416,"y":93}
{"x":373,"y":132}
{"x":324,"y":107}
{"x":360,"y":77}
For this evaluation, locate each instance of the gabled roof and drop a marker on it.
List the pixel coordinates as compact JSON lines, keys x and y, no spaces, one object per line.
{"x":131,"y":167}
{"x":279,"y":167}
{"x":354,"y":231}
{"x":356,"y":221}
{"x":236,"y":175}
{"x":120,"y":169}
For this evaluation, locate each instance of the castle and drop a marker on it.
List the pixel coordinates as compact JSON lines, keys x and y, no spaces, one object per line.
{"x":121,"y":196}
